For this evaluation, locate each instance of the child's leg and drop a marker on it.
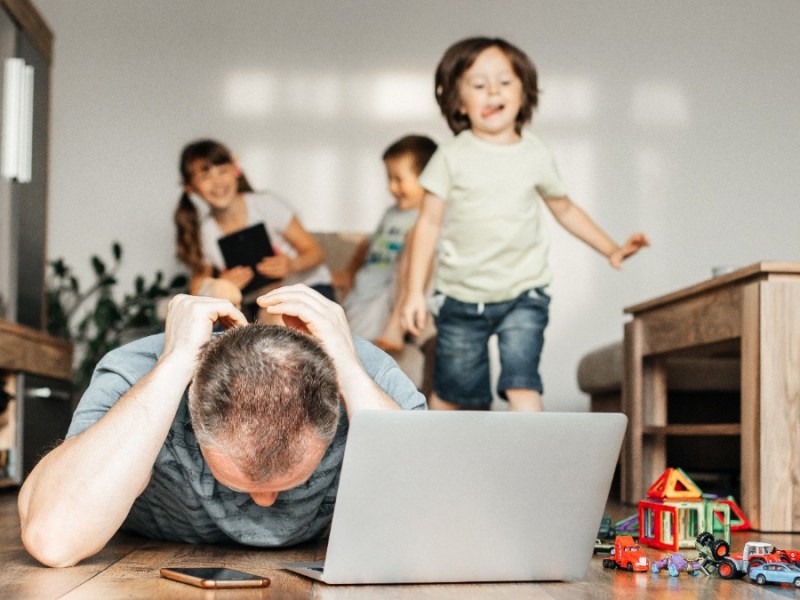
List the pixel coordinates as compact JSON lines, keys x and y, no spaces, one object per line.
{"x":436,"y":403}
{"x":461,"y":367}
{"x":391,"y":338}
{"x":524,"y":400}
{"x":520,"y":339}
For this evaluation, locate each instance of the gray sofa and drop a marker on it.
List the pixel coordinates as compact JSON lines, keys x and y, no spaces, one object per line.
{"x":600,"y":375}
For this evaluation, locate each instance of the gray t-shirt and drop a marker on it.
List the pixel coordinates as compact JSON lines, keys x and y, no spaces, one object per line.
{"x":379,"y":268}
{"x":183,"y":502}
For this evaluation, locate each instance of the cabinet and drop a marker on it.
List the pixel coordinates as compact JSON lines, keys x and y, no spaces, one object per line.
{"x":35,"y":369}
{"x":23,"y":200}
{"x":35,"y":373}
{"x":754,"y":311}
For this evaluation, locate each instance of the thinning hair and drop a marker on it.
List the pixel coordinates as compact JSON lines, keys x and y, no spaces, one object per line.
{"x":459,"y":57}
{"x":257,"y":393}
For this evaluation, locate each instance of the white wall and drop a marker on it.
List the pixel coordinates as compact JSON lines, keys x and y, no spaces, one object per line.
{"x":676,"y":118}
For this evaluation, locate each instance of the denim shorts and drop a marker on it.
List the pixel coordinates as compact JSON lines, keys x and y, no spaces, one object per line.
{"x":461,"y":372}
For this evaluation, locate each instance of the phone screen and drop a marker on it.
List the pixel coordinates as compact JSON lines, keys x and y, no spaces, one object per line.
{"x":214,"y":577}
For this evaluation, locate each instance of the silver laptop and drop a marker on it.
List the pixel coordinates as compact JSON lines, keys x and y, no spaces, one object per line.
{"x":446,"y":496}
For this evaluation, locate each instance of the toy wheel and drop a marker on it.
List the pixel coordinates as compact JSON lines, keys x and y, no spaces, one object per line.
{"x":727,"y":569}
{"x":720,"y":549}
{"x":629,"y":566}
{"x":609,"y":563}
{"x":784,"y":558}
{"x":761,"y":580}
{"x":796,"y":582}
{"x":756,"y":562}
{"x":705,"y":538}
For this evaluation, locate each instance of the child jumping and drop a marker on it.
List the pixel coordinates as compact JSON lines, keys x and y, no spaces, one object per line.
{"x":373,"y":283}
{"x":483,"y":208}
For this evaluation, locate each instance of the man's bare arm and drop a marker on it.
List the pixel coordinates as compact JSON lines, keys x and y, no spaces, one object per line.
{"x":80,"y":493}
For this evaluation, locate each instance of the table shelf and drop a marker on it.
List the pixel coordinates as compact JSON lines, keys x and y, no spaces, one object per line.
{"x":709,"y":429}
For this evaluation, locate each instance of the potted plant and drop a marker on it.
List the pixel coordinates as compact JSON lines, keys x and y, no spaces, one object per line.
{"x":93,"y":319}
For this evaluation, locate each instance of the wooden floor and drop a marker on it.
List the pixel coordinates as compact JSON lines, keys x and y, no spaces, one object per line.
{"x":128,"y":568}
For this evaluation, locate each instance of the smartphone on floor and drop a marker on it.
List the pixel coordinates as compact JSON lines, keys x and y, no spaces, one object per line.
{"x":214,"y":577}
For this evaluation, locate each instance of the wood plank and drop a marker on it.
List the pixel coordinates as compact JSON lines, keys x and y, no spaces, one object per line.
{"x":712,"y":429}
{"x":750,"y":475}
{"x":23,"y":578}
{"x":693,"y":322}
{"x":128,"y":568}
{"x":32,"y":23}
{"x":779,"y":393}
{"x":32,"y":351}
{"x":654,"y":451}
{"x":137,"y":576}
{"x":756,"y":271}
{"x":631,"y":479}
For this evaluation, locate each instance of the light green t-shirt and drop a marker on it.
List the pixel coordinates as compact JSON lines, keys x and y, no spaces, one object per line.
{"x":493,"y":244}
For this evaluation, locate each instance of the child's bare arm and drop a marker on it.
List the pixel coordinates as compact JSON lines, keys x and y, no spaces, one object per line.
{"x":423,"y":243}
{"x":573,"y":218}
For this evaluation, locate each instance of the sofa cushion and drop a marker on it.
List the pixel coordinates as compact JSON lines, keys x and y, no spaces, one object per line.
{"x":600,"y":372}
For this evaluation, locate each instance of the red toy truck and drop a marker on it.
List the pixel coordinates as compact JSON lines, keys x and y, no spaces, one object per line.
{"x":753,"y":554}
{"x":627,"y":555}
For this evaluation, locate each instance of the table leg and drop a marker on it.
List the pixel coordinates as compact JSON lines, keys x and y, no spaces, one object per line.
{"x":773,"y":419}
{"x":750,"y":475}
{"x":654,"y":409}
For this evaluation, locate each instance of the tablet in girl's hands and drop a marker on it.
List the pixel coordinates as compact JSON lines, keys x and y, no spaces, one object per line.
{"x":247,"y":247}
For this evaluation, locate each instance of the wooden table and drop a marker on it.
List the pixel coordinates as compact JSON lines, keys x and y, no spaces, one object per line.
{"x":753,"y":312}
{"x":128,"y":568}
{"x":33,"y":351}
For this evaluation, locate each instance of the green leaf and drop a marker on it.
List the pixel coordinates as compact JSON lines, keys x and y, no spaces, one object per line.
{"x":59,"y":267}
{"x":99,"y":266}
{"x":95,"y":320}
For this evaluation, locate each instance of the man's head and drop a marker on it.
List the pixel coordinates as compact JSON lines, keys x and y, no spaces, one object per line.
{"x":264,"y":404}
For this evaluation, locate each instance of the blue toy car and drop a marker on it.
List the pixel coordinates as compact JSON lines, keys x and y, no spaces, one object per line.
{"x":776,"y":572}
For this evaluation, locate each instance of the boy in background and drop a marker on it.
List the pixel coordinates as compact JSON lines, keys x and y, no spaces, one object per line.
{"x":373,"y":283}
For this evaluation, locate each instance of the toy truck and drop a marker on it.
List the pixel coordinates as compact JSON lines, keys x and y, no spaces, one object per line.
{"x":627,"y":555}
{"x":753,"y":554}
{"x":712,"y":552}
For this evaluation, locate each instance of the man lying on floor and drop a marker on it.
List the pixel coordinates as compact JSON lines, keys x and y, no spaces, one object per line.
{"x":201,"y":438}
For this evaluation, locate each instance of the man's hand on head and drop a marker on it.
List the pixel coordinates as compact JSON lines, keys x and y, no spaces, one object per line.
{"x":190,"y":320}
{"x":309,"y":311}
